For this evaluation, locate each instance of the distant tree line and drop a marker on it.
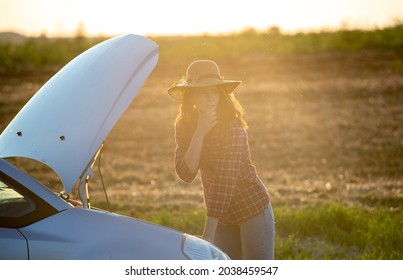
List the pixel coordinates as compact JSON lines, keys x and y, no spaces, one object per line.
{"x":43,"y":51}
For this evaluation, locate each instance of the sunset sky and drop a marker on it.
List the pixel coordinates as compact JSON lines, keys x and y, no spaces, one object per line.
{"x":156,"y":17}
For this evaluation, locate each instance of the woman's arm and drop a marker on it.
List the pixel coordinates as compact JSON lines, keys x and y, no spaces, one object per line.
{"x":187,"y":158}
{"x":206,"y":122}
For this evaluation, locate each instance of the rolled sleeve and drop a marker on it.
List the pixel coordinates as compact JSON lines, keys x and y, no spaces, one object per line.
{"x":183,"y":172}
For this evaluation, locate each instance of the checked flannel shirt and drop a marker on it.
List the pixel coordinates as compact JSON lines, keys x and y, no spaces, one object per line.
{"x":232,"y":190}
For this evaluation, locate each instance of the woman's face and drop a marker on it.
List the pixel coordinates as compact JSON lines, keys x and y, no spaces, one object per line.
{"x":206,"y":98}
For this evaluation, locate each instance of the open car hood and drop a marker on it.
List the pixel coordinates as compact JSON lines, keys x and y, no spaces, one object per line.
{"x":67,"y":120}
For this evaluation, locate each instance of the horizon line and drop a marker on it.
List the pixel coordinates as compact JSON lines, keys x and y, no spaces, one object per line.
{"x":251,"y":29}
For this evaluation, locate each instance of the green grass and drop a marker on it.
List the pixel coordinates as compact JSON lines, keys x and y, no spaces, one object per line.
{"x":317,"y":232}
{"x":337,"y":232}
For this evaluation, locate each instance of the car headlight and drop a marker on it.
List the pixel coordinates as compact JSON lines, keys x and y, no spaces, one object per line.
{"x":198,"y":249}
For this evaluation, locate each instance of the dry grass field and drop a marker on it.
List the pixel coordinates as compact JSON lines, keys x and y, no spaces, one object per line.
{"x":322,"y":128}
{"x":325,"y":129}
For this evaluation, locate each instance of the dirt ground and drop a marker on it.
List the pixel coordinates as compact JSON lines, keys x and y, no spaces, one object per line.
{"x":322,"y":127}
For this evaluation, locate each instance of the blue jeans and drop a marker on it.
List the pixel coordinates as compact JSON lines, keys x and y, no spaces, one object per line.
{"x":252,"y":239}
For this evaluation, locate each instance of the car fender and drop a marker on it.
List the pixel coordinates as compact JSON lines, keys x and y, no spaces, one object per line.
{"x":80,"y":233}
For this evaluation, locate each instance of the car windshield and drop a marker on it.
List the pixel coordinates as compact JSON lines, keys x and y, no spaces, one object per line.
{"x":12,"y":203}
{"x":7,"y":194}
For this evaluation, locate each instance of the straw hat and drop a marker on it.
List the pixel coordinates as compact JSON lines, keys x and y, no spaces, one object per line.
{"x":201,"y":73}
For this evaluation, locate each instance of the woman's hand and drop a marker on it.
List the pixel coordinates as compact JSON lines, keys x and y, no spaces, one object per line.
{"x":207,"y":120}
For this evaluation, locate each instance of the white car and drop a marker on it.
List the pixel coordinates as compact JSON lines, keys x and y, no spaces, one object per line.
{"x":64,"y":126}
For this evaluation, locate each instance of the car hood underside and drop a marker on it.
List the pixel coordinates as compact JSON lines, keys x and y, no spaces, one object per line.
{"x":66,"y":121}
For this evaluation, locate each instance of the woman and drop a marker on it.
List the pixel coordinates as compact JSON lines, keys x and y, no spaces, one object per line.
{"x":210,"y":135}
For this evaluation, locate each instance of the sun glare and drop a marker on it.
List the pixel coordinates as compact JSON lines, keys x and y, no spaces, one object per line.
{"x":63,"y":17}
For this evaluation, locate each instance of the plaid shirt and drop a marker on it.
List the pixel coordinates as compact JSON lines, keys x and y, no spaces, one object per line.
{"x":232,"y":190}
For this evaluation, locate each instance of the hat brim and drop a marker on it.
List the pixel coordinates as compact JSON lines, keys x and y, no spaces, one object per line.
{"x":227,"y":86}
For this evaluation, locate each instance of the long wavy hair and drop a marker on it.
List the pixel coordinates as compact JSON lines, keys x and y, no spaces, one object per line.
{"x":228,"y":110}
